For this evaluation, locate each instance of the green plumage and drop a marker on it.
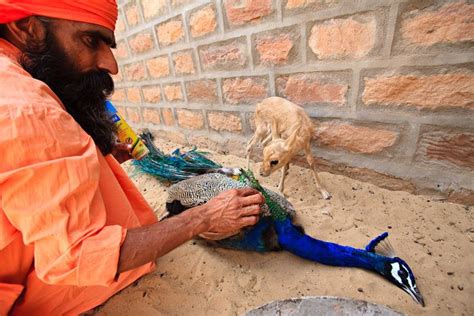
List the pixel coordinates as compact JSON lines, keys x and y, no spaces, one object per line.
{"x":276,"y":211}
{"x":174,"y":167}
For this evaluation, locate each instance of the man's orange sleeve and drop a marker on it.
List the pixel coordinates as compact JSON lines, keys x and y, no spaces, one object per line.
{"x":49,"y":182}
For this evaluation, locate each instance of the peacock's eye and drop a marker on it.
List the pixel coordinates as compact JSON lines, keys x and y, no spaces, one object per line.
{"x":273,"y":162}
{"x":402,"y":273}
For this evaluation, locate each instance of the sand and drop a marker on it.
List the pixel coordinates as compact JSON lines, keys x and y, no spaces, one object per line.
{"x":436,"y":238}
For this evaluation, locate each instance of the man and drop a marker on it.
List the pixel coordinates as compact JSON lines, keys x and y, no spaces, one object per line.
{"x":73,"y":228}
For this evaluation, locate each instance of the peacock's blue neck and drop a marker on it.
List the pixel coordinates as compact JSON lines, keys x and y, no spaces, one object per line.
{"x":326,"y":252}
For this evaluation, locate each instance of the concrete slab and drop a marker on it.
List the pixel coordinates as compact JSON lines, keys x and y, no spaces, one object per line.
{"x":322,"y":305}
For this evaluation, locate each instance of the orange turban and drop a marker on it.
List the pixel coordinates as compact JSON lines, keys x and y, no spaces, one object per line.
{"x":100,"y":12}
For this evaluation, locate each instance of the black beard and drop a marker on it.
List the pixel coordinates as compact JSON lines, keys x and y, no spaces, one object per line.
{"x":83,"y":94}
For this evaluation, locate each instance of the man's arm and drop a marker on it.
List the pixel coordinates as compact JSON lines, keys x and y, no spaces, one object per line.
{"x":225,"y":213}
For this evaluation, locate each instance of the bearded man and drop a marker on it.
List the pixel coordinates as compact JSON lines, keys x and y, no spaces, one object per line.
{"x":74,"y":230}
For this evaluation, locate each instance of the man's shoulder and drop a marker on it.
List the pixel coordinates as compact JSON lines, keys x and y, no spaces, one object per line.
{"x":30,"y":111}
{"x":19,"y":89}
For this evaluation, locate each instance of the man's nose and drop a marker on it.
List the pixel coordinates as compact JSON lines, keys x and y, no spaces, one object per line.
{"x":107,"y":62}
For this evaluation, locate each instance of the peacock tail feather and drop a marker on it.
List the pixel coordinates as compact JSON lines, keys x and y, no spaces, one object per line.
{"x":175,"y":167}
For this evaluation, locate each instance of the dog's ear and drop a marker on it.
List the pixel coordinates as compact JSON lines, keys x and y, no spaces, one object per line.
{"x":275,"y":133}
{"x":290,"y":141}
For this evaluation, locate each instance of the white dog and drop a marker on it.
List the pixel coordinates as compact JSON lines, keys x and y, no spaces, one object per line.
{"x":284,"y":129}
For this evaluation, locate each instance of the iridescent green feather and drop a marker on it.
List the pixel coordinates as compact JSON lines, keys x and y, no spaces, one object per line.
{"x":176,"y":166}
{"x":276,"y":210}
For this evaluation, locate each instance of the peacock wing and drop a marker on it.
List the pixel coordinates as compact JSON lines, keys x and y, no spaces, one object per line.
{"x":200,"y":189}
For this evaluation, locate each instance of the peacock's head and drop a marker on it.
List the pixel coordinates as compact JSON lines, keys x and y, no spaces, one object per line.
{"x":400,"y":274}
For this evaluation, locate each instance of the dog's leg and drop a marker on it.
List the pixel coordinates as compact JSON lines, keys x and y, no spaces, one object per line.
{"x":267,"y":139}
{"x":260,"y":132}
{"x":284,"y":170}
{"x":309,"y":157}
{"x":250,"y":143}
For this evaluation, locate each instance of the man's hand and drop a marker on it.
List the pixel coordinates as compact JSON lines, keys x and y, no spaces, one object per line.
{"x":232,"y":210}
{"x":121,"y":152}
{"x":223,"y":215}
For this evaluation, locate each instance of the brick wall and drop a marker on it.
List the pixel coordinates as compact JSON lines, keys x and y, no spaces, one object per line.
{"x":389,"y":83}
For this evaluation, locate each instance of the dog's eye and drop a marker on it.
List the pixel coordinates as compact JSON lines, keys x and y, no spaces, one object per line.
{"x":273,"y":162}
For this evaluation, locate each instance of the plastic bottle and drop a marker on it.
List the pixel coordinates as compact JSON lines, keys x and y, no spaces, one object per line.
{"x":126,"y":134}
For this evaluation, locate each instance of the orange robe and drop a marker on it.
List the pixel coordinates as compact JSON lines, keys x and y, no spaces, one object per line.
{"x":64,"y":207}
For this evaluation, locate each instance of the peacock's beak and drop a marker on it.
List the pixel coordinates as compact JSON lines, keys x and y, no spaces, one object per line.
{"x":419,"y":299}
{"x":415,"y":293}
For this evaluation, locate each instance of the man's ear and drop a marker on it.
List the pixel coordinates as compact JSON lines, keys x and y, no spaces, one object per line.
{"x":22,"y":32}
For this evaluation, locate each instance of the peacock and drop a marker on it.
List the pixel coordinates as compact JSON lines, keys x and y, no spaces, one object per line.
{"x":275,"y":229}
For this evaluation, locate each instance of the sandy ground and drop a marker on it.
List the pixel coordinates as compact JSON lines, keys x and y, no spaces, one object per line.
{"x":434,"y":237}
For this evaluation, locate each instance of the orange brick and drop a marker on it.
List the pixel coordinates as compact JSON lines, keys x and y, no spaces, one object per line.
{"x":121,"y":52}
{"x":131,"y":13}
{"x":178,"y":3}
{"x":225,"y":121}
{"x":450,"y":23}
{"x":133,"y":115}
{"x":133,"y":95}
{"x":158,"y":67}
{"x":277,"y":47}
{"x":227,"y":55}
{"x":151,"y":116}
{"x":338,"y":38}
{"x":292,"y":4}
{"x":135,"y":71}
{"x":170,"y":32}
{"x":152,"y":94}
{"x":153,"y":8}
{"x":183,"y":63}
{"x":201,"y":91}
{"x":173,"y":92}
{"x":239,"y":12}
{"x":120,"y":25}
{"x":245,"y":90}
{"x":449,"y":90}
{"x":122,"y":111}
{"x":358,"y":139}
{"x":118,"y":77}
{"x":309,"y":88}
{"x":316,"y":4}
{"x":119,"y":95}
{"x":142,"y":42}
{"x":275,"y":51}
{"x":168,"y":117}
{"x":190,"y":119}
{"x":203,"y":21}
{"x":447,"y":148}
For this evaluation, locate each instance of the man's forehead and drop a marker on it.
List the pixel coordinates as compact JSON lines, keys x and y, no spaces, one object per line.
{"x":88,"y":28}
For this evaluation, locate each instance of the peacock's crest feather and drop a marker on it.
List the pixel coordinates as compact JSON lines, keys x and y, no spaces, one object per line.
{"x":381,"y":245}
